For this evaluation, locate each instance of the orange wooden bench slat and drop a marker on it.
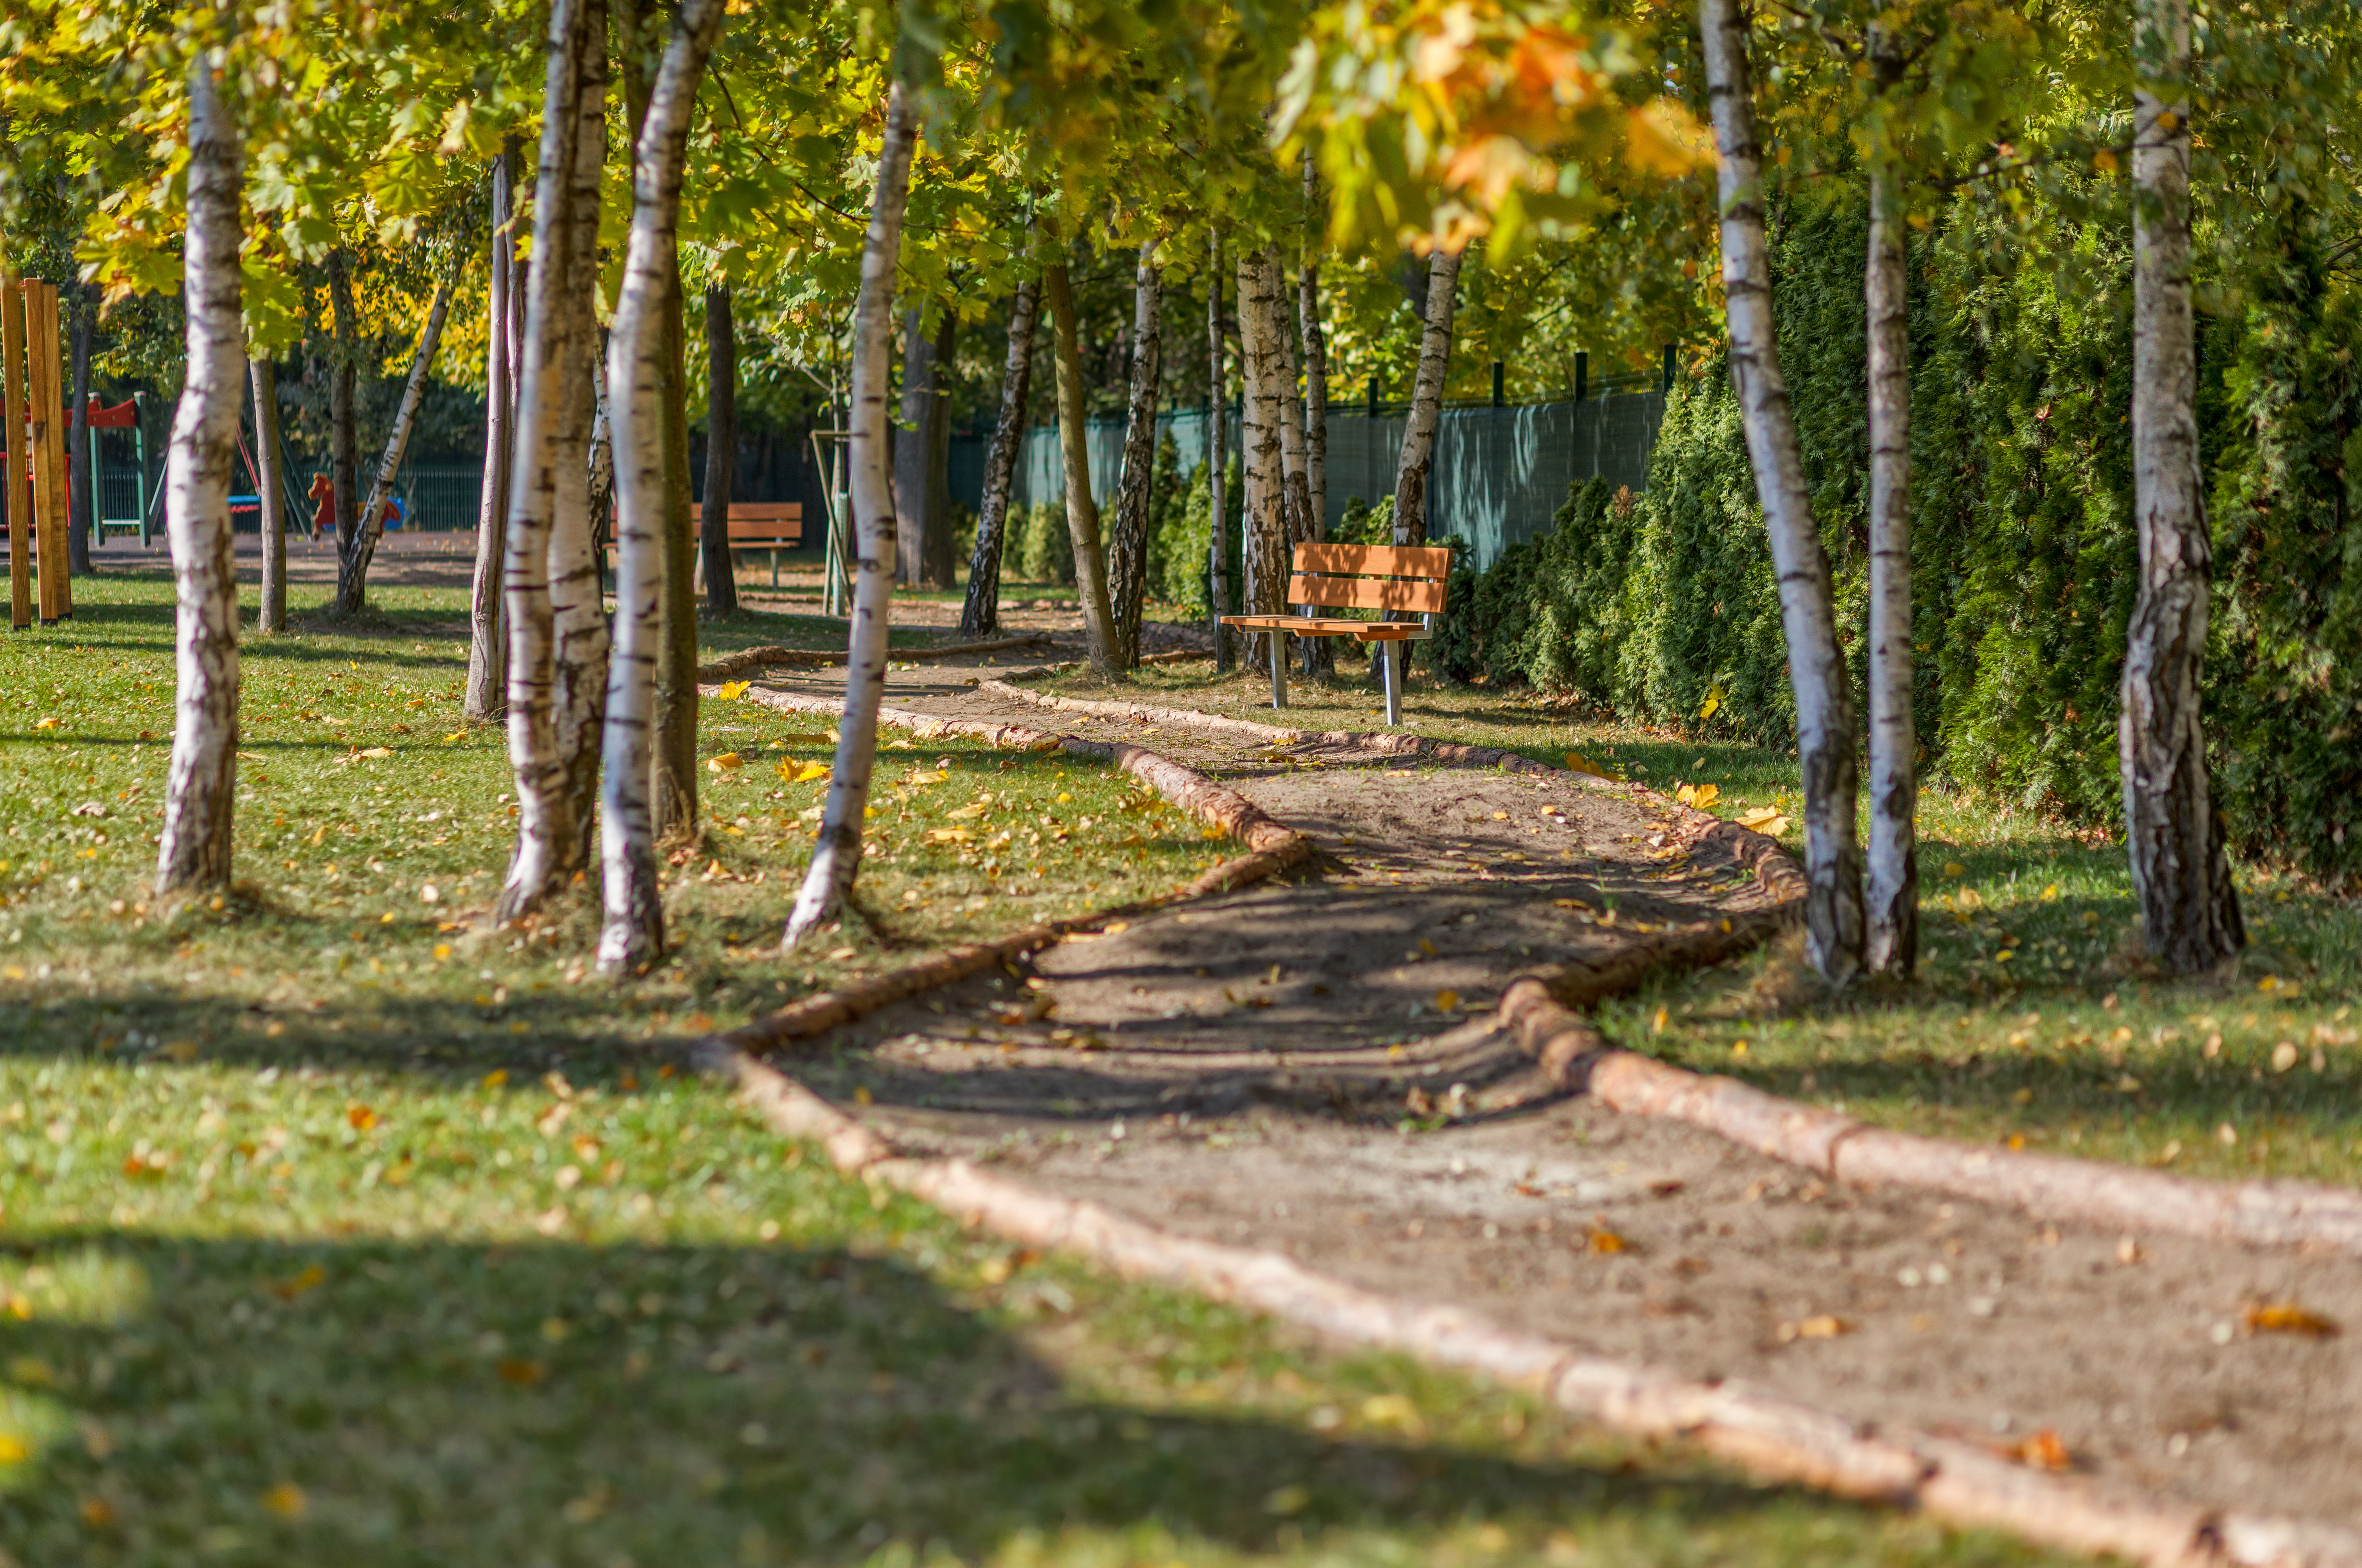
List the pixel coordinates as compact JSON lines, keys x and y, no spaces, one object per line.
{"x":1382,"y":560}
{"x":1366,"y":594}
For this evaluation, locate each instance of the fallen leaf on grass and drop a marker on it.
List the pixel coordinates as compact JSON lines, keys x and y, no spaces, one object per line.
{"x":725,"y":762}
{"x":288,"y":1289}
{"x":731,"y":691}
{"x":804,"y":773}
{"x":1767,"y":820}
{"x":523,"y":1374}
{"x":361,"y":1117}
{"x":1578,"y":763}
{"x":1821,"y":1326}
{"x":286,"y":1500}
{"x":2288,"y":1318}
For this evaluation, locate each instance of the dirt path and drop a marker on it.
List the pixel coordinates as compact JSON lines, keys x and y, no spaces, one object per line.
{"x":1279,"y":1067}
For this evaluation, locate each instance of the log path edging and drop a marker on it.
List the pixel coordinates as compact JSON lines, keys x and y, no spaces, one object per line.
{"x":1768,"y":1435}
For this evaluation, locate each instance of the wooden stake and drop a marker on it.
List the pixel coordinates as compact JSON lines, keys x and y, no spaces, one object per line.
{"x":46,"y":400}
{"x":18,"y":510}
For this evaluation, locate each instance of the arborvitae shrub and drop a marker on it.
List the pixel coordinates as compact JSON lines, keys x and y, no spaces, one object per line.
{"x":1045,"y":549}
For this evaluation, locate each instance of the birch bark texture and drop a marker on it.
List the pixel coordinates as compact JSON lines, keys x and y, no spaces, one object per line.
{"x":480,"y":700}
{"x":193,"y":852}
{"x":1416,"y":466}
{"x":1315,"y":656}
{"x":344,"y":442}
{"x":1263,"y":518}
{"x":2173,"y":831}
{"x":548,"y":831}
{"x":1128,"y":545}
{"x":642,"y":352}
{"x":263,"y":377}
{"x":836,"y":856}
{"x":980,"y":610}
{"x":359,"y":545}
{"x":1217,"y":574}
{"x":1891,"y":937}
{"x":1073,"y":448}
{"x":721,"y":449}
{"x":1816,"y":673}
{"x":1316,"y":358}
{"x":577,"y":608}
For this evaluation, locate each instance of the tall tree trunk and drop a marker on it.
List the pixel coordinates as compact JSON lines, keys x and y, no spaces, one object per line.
{"x":487,"y":646}
{"x":2182,"y":876}
{"x":1892,"y":936}
{"x":358,"y":548}
{"x":1074,"y":447}
{"x":193,"y":851}
{"x":644,"y":350}
{"x":921,"y":491}
{"x":1303,"y":525}
{"x":935,"y":551}
{"x":267,"y":478}
{"x":836,"y":855}
{"x":1127,"y":547}
{"x":577,"y":609}
{"x":81,"y":494}
{"x":1816,"y":673}
{"x":1218,"y":435}
{"x":1315,"y":356}
{"x":344,"y":441}
{"x":980,"y":614}
{"x":720,"y":448}
{"x":673,"y":766}
{"x":1263,"y":517}
{"x":1417,"y":463}
{"x":548,"y":832}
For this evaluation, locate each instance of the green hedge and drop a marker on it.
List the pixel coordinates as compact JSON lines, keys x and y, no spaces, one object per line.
{"x":2023,"y":546}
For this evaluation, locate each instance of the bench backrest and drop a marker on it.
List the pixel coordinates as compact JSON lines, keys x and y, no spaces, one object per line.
{"x":1394,"y":577}
{"x":767,"y":519}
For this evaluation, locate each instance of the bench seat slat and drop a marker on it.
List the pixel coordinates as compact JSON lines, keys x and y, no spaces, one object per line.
{"x":1314,"y":627}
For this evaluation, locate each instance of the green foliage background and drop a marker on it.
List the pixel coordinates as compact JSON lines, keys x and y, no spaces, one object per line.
{"x":2023,"y":546}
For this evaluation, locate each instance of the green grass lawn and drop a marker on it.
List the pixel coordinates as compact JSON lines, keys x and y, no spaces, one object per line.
{"x":334,"y":1230}
{"x":2033,"y":1021}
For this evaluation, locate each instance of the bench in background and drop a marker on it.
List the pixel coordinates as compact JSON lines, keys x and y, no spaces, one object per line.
{"x":1390,"y":578}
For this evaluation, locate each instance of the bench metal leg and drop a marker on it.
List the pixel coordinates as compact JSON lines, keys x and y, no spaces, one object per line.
{"x":775,"y":569}
{"x":1392,"y":655}
{"x":1278,"y":670}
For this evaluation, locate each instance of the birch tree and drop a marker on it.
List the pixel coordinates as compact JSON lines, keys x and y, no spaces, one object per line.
{"x":487,"y":651}
{"x":980,"y":610}
{"x":1891,"y":933}
{"x":2181,"y":874}
{"x":640,"y":354}
{"x":344,"y":445}
{"x":577,"y":609}
{"x":1128,"y":551}
{"x":1082,"y":511}
{"x":548,"y":831}
{"x":193,"y":852}
{"x":269,"y":479}
{"x":836,"y":856}
{"x":1816,"y":673}
{"x":1416,"y":464}
{"x":1218,"y":434}
{"x":357,"y":545}
{"x":1316,"y":360}
{"x":1264,"y":517}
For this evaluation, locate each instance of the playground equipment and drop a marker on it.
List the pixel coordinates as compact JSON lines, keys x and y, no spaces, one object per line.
{"x":103,"y":423}
{"x":32,"y":403}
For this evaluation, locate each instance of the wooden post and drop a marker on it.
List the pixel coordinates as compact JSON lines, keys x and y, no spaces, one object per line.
{"x":17,"y":508}
{"x":46,"y":449}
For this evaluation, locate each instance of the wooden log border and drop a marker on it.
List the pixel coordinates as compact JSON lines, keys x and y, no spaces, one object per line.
{"x":1538,"y":1011}
{"x":1768,"y":1436}
{"x":748,"y":661}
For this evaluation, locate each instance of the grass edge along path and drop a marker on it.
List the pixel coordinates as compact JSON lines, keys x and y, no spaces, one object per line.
{"x":1770,"y":1437}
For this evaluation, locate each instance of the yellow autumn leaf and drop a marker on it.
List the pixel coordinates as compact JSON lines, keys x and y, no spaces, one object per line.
{"x":1685,"y":794}
{"x":1713,"y":701}
{"x":286,"y":1500}
{"x":1821,"y":1326}
{"x":1706,"y":795}
{"x":2288,"y":1318}
{"x":1445,"y":1001}
{"x":725,"y":762}
{"x":948,"y":835}
{"x":455,"y":736}
{"x":1578,"y":763}
{"x":731,"y":691}
{"x":48,"y":723}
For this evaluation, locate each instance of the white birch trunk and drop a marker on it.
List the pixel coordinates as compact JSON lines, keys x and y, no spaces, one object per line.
{"x":836,"y":858}
{"x":548,"y":831}
{"x":1315,"y":356}
{"x":360,"y":546}
{"x":272,"y":483}
{"x":1824,"y":719}
{"x":194,"y":849}
{"x":1127,"y":549}
{"x":1417,"y":464}
{"x":487,"y":648}
{"x":2181,"y":875}
{"x":641,"y":357}
{"x":980,"y":611}
{"x":1082,"y":511}
{"x":1891,"y":935}
{"x":577,"y":608}
{"x":1264,"y":517}
{"x":1294,"y":464}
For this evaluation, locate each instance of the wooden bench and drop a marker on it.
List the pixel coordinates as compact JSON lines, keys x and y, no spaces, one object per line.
{"x":772,"y":526}
{"x":1391,"y":579}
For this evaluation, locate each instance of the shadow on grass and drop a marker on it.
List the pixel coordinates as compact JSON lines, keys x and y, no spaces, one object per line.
{"x":393,"y":1402}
